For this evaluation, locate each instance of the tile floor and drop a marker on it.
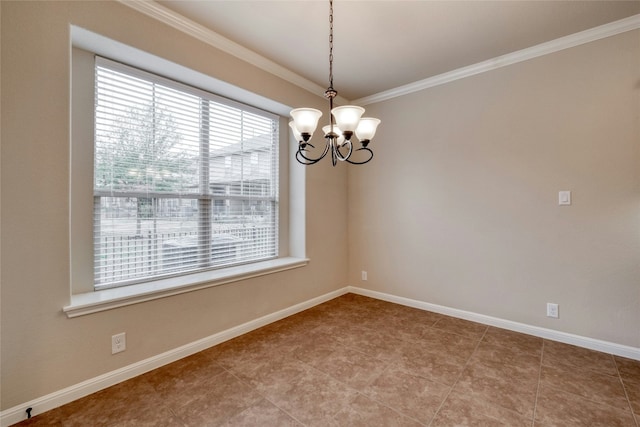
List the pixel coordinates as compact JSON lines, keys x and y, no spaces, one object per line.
{"x":357,"y":361}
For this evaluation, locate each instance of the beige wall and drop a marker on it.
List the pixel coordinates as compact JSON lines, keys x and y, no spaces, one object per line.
{"x":460,"y":207}
{"x":42,"y":350}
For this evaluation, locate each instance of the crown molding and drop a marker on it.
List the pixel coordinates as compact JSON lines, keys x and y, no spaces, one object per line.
{"x":577,"y":39}
{"x":204,"y":34}
{"x":171,"y":18}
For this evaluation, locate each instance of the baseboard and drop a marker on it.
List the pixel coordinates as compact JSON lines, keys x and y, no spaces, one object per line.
{"x":580,"y":341}
{"x":77,"y":391}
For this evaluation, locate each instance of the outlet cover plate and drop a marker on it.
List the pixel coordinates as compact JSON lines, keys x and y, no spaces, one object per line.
{"x":118,"y":343}
{"x":552,"y":310}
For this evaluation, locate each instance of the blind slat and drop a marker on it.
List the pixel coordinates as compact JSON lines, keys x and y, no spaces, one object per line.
{"x":156,"y":213}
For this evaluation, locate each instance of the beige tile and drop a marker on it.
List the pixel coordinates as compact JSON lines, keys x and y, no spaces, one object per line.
{"x":462,"y":410}
{"x":511,"y":387}
{"x":316,"y":347}
{"x":180,"y":382}
{"x":633,"y":393}
{"x":272,"y":375}
{"x":558,"y":354}
{"x":408,"y":394}
{"x":356,"y":361}
{"x":261,"y":414}
{"x":441,"y":341}
{"x":313,"y":398}
{"x":161,"y":418}
{"x":557,"y":408}
{"x":401,"y":327}
{"x":460,"y":326}
{"x":587,"y":384}
{"x":352,"y":367}
{"x":130,"y":400}
{"x":227,"y":397}
{"x":629,"y":369}
{"x":379,"y":344}
{"x":364,"y":412}
{"x":498,"y":355}
{"x":54,"y":417}
{"x":513,"y":340}
{"x":436,"y":366}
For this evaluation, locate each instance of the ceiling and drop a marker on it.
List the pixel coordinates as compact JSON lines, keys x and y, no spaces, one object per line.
{"x":381,"y":45}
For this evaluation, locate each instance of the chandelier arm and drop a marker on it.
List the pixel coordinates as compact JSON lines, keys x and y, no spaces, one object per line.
{"x":339,"y":154}
{"x":310,"y":160}
{"x":361,"y":163}
{"x":331,"y":136}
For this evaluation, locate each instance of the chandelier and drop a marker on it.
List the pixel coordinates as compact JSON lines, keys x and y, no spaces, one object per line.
{"x":343,"y":123}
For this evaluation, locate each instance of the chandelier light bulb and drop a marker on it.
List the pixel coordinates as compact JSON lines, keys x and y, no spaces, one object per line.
{"x":347,"y":117}
{"x":326,"y":129}
{"x":306,"y":119}
{"x":338,"y":133}
{"x":367,"y":128}
{"x":296,"y":134}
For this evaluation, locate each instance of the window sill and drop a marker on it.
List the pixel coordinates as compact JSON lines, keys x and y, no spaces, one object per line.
{"x":94,"y":302}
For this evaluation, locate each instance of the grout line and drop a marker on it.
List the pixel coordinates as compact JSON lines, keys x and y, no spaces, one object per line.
{"x":265,"y":397}
{"x":535,"y":403}
{"x":626,"y":394}
{"x":458,"y":377}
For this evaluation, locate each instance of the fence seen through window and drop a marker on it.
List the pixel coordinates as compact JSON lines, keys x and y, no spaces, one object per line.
{"x":183,"y":180}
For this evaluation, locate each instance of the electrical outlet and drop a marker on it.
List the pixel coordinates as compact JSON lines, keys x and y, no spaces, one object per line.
{"x":552,"y":310}
{"x":364,"y":275}
{"x":118,"y":343}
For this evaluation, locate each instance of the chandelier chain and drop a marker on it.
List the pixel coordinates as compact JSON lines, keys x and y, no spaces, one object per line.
{"x":337,"y":139}
{"x":331,"y":44}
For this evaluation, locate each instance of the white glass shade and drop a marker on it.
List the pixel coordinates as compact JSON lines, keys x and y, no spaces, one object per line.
{"x":326,"y":129}
{"x":367,"y":128}
{"x":347,"y":117}
{"x":306,"y":119}
{"x":296,"y":134}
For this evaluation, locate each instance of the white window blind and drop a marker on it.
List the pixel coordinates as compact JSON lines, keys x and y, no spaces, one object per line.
{"x":183,"y":180}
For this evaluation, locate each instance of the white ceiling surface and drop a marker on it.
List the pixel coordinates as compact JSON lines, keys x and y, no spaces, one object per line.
{"x":381,"y":45}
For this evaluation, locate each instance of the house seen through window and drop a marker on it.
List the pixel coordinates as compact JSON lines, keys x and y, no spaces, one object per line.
{"x":184,"y":180}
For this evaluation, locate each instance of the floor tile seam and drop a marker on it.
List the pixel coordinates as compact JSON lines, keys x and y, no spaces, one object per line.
{"x":626,"y":393}
{"x":386,"y":405}
{"x":455,"y":382}
{"x":593,"y":401}
{"x":569,"y":366}
{"x":363,"y":353}
{"x":458,"y":334}
{"x":263,"y":397}
{"x":285,"y":411}
{"x":507,"y":364}
{"x":511,"y":348}
{"x":176,"y":416}
{"x":572,"y":371}
{"x":479,"y":396}
{"x":535,"y":403}
{"x":473,"y":359}
{"x":328,"y":375}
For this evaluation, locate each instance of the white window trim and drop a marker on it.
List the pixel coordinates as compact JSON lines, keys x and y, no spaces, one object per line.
{"x":83,"y":299}
{"x":107,"y":299}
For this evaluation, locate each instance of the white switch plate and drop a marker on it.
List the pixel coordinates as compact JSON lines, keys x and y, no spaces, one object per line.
{"x":564,"y":198}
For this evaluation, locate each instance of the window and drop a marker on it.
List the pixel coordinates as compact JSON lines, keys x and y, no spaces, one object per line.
{"x":184,"y":181}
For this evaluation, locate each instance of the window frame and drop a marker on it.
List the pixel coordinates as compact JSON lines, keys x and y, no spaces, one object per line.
{"x":292,"y":181}
{"x":205,"y":197}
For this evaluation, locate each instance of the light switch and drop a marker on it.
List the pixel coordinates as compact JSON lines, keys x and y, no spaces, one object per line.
{"x":564,"y":197}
